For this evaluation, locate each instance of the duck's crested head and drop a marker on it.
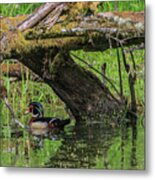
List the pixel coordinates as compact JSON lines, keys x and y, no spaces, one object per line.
{"x":36,"y":109}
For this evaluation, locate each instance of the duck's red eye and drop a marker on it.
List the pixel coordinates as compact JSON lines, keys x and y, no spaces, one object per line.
{"x":30,"y":108}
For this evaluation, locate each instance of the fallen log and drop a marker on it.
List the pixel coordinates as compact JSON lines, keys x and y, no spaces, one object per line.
{"x":46,"y":52}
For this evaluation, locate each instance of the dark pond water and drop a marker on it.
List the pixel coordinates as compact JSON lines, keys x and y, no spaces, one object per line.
{"x":79,"y":146}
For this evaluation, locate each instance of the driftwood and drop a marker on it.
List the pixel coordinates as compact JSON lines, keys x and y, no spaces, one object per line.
{"x":45,"y":49}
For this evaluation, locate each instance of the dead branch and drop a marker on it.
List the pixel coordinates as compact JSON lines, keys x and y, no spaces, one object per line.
{"x":65,"y":34}
{"x":53,"y":17}
{"x":37,"y":16}
{"x":12,"y":113}
{"x":138,"y":47}
{"x":134,"y":65}
{"x":103,"y":75}
{"x":103,"y":70}
{"x":131,"y":81}
{"x":45,"y":51}
{"x":119,"y":72}
{"x":3,"y":95}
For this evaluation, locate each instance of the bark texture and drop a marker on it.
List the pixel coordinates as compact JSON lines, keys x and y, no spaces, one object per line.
{"x":43,"y":45}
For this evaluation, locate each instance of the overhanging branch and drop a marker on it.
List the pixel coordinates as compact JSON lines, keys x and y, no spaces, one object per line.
{"x":87,"y":33}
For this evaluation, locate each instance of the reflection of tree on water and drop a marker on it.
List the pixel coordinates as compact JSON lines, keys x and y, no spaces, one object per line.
{"x":83,"y":147}
{"x":134,"y":139}
{"x":89,"y":144}
{"x":124,"y":137}
{"x":86,"y":146}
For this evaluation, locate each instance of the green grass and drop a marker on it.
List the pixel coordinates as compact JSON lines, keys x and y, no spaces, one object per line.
{"x":96,"y":59}
{"x":17,"y":9}
{"x":131,"y":5}
{"x":21,"y":93}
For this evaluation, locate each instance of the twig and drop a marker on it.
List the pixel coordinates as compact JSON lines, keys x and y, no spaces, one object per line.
{"x":138,"y":47}
{"x":91,"y":67}
{"x":103,"y":68}
{"x":134,"y":65}
{"x":131,"y":81}
{"x":12,"y":113}
{"x":3,"y":94}
{"x":119,"y":72}
{"x":103,"y":30}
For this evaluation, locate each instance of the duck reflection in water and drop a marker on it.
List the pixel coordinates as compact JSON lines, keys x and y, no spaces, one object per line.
{"x":41,"y":127}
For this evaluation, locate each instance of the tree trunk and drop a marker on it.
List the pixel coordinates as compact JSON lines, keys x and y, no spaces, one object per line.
{"x":81,"y":91}
{"x":46,"y":52}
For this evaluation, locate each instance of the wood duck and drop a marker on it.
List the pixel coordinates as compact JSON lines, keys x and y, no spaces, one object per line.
{"x":38,"y":121}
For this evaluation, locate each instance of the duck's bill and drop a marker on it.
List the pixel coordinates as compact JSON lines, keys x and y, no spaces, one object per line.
{"x":26,"y":112}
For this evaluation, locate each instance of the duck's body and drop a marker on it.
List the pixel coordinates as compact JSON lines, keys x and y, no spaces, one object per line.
{"x":39,"y":122}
